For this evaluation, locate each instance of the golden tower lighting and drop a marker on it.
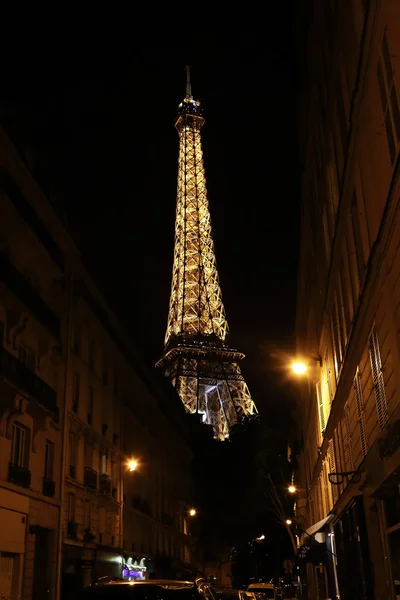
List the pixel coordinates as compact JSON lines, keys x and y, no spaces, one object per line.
{"x":203,"y":369}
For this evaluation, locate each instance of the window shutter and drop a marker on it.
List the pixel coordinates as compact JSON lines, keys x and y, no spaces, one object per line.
{"x":321,"y":410}
{"x":377,"y":377}
{"x":360,"y":412}
{"x":332,"y":469}
{"x":347,"y":435}
{"x":325,"y":487}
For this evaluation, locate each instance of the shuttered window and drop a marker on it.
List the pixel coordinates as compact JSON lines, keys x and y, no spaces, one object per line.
{"x":377,"y":377}
{"x":360,"y":412}
{"x":347,"y":437}
{"x":332,"y":469}
{"x":321,"y":408}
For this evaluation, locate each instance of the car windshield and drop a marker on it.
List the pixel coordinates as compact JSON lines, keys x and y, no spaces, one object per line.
{"x":141,"y":592}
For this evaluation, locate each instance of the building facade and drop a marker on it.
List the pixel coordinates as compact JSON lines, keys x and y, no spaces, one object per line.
{"x":348,"y":505}
{"x":158,"y":494}
{"x":76,"y":403}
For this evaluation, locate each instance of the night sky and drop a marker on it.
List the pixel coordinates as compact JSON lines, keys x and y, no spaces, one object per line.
{"x":99,"y":114}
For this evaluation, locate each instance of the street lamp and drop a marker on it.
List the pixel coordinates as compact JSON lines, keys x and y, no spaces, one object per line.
{"x":192,"y":512}
{"x":288,"y":521}
{"x":132,"y":464}
{"x":292,"y":489}
{"x":300,"y":367}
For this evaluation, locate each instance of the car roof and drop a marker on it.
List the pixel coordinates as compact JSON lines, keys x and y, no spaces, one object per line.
{"x":260,"y":585}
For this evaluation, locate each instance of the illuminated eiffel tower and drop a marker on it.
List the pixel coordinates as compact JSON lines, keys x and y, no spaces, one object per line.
{"x":203,"y":369}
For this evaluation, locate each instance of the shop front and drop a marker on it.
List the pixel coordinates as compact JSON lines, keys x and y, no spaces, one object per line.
{"x":134,"y":568}
{"x":83,"y":566}
{"x":314,"y":562}
{"x":354,"y":569}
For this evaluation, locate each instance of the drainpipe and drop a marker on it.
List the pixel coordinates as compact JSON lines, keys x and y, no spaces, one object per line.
{"x":67,"y":354}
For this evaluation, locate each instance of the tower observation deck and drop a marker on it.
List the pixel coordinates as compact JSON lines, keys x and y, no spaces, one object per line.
{"x":203,"y":369}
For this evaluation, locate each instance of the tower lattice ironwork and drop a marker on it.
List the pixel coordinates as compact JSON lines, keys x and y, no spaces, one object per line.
{"x":203,"y":369}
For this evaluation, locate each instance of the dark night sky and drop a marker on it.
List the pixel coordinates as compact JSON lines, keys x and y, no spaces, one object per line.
{"x":101,"y":115}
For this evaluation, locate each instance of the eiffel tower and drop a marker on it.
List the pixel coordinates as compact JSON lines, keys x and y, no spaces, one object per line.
{"x":203,"y":369}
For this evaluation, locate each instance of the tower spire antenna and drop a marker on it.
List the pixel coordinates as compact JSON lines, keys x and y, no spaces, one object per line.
{"x":188,"y":84}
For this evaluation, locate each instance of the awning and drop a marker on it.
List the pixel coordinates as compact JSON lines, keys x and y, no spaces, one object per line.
{"x":309,"y":533}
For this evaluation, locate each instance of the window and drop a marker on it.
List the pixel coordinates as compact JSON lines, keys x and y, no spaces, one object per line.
{"x":20,"y":446}
{"x":88,"y":454}
{"x":343,"y":124}
{"x":104,"y":463}
{"x":87,"y":514}
{"x":71,"y":507}
{"x":115,"y":383}
{"x":76,"y":390}
{"x":90,"y":406}
{"x":332,"y":469}
{"x":25,"y":356}
{"x":347,"y":438}
{"x":77,"y":338}
{"x":389,"y":101}
{"x":72,"y":454}
{"x":377,"y":377}
{"x":358,"y":244}
{"x":321,"y":408}
{"x":360,"y":411}
{"x":49,"y":461}
{"x":337,"y":339}
{"x":91,"y":354}
{"x":105,"y":370}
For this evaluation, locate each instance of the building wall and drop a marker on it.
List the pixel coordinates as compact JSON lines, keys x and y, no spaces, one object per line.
{"x":158,"y":494}
{"x":56,"y":326}
{"x":348,"y":275}
{"x":31,"y":379}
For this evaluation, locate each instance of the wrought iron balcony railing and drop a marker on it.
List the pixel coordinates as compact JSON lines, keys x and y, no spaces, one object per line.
{"x":19,"y":475}
{"x":26,"y":380}
{"x":90,"y":478}
{"x":49,"y":487}
{"x":105,"y":484}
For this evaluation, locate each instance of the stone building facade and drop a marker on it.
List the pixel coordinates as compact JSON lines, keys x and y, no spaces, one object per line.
{"x":347,"y":510}
{"x":76,"y":402}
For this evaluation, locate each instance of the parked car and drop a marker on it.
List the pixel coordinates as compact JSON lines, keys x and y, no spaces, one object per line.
{"x":157,"y":589}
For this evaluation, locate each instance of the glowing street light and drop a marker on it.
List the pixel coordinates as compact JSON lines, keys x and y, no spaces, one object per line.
{"x":288,"y":521}
{"x":292,"y":489}
{"x":299,"y":368}
{"x":192,"y":512}
{"x":132,"y":464}
{"x":261,"y":538}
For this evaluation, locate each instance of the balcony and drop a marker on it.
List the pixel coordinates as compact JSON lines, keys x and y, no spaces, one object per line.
{"x":142,"y":505}
{"x":19,"y":475}
{"x":49,"y":488}
{"x":105,"y":484}
{"x":90,"y":478}
{"x":29,"y":296}
{"x":22,"y":377}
